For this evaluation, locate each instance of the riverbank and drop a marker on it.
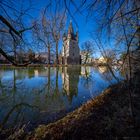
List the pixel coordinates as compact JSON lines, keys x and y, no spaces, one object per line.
{"x":37,"y":65}
{"x":109,"y":115}
{"x":45,"y":65}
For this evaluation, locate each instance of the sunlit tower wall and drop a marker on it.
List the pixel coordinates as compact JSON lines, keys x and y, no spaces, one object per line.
{"x":70,"y":49}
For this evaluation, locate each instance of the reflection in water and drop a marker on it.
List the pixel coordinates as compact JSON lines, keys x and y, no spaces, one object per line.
{"x":41,"y":95}
{"x":105,"y":73}
{"x":86,"y":71}
{"x":70,"y":79}
{"x":17,"y":108}
{"x":36,"y":73}
{"x":87,"y":77}
{"x":102,"y":69}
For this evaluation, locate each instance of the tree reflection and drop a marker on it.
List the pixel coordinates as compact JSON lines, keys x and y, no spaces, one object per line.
{"x":106,"y":74}
{"x":12,"y":109}
{"x":56,"y":83}
{"x":49,"y":97}
{"x":87,"y":77}
{"x":31,"y":73}
{"x":16,"y":108}
{"x":53,"y":90}
{"x":1,"y":86}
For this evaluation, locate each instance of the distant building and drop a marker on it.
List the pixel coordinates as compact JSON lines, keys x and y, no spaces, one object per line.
{"x":86,"y":59}
{"x":70,"y":50}
{"x":42,"y":57}
{"x":102,"y":60}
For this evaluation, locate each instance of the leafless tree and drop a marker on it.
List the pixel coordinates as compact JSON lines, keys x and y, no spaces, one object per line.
{"x":42,"y":34}
{"x":87,"y":51}
{"x":12,"y":28}
{"x":57,"y":28}
{"x":49,"y":30}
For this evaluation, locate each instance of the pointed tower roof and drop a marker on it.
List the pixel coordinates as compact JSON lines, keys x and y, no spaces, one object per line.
{"x":70,"y":30}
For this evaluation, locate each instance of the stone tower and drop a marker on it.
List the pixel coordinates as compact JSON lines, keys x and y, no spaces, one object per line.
{"x":70,"y":50}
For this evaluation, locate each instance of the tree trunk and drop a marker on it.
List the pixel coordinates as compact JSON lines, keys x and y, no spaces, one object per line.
{"x":57,"y":60}
{"x":86,"y":59}
{"x":13,"y":62}
{"x":14,"y":50}
{"x":65,"y":59}
{"x":49,"y":57}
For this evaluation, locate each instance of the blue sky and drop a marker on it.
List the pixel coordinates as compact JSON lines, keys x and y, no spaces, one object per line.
{"x":83,"y":27}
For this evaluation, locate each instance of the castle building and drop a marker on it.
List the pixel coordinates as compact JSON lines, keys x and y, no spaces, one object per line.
{"x":70,"y":49}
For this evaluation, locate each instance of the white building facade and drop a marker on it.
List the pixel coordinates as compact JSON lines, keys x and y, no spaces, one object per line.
{"x":70,"y":49}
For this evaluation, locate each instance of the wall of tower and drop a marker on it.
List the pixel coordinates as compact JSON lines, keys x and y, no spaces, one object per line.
{"x":70,"y":50}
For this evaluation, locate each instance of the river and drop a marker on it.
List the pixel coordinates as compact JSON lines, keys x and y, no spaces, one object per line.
{"x":32,"y":96}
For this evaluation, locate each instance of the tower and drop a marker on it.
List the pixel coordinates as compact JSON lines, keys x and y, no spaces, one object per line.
{"x":70,"y":49}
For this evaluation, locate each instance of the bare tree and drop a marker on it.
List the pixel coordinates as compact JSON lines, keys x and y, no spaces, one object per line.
{"x":87,"y":51}
{"x":49,"y":30}
{"x":12,"y":28}
{"x":42,"y":33}
{"x":57,"y":28}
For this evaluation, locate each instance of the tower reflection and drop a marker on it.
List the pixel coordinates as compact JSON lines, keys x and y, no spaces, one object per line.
{"x":70,"y":79}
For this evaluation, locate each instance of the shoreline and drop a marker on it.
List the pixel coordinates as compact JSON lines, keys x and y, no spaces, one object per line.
{"x":107,"y":115}
{"x":45,"y":65}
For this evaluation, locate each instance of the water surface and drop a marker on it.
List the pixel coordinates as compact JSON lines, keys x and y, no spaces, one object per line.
{"x":35,"y":96}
